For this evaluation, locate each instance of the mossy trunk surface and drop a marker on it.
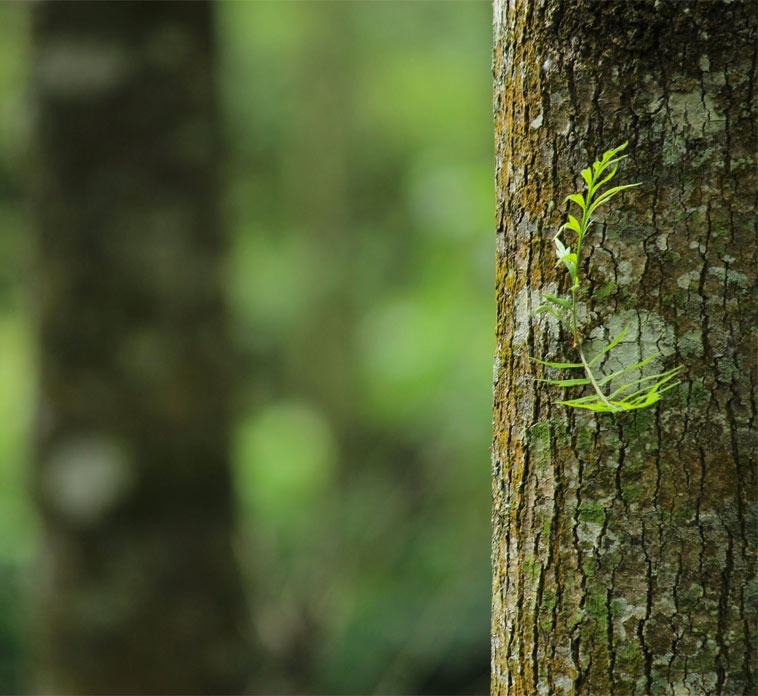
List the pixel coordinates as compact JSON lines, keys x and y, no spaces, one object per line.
{"x":138,"y":589}
{"x":624,"y":550}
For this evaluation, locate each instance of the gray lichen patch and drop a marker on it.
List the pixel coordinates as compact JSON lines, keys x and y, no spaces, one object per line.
{"x":526,"y":301}
{"x":696,"y":110}
{"x":691,"y":343}
{"x":729,"y":277}
{"x":690,"y":278}
{"x":496,"y":367}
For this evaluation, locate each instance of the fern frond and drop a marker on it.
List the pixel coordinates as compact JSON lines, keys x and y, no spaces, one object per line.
{"x":595,"y":178}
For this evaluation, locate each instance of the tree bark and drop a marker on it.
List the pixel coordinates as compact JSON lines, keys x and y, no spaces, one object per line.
{"x":139,"y":591}
{"x":624,"y":546}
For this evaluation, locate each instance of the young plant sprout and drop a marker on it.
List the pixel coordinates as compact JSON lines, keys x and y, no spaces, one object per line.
{"x":608,"y":396}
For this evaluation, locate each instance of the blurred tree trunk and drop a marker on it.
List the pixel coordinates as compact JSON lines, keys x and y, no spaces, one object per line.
{"x":624,"y":546}
{"x":139,"y":591}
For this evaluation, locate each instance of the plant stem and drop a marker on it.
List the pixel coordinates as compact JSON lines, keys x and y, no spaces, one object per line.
{"x":574,"y":329}
{"x":594,"y":383}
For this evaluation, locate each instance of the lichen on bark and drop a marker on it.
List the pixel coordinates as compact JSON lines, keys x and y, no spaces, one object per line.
{"x":624,"y":546}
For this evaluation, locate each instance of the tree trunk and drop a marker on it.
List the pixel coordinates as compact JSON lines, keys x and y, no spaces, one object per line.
{"x":624,"y":545}
{"x":139,"y":590}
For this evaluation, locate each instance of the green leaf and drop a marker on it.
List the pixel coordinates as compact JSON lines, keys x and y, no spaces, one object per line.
{"x":570,"y":261}
{"x":610,"y":153}
{"x":670,"y":386}
{"x":592,"y":406}
{"x":600,"y":406}
{"x":616,"y":407}
{"x":615,"y":160}
{"x":636,"y":366}
{"x":546,"y":308}
{"x":607,"y":195}
{"x":665,"y":377}
{"x":565,"y":256}
{"x":587,"y":176}
{"x":582,"y":400}
{"x":599,"y":168}
{"x":561,"y":366}
{"x":565,"y":382}
{"x":573,"y":224}
{"x":557,"y":300}
{"x":609,"y":347}
{"x":632,"y":407}
{"x":606,"y":180}
{"x":560,"y":249}
{"x":578,"y":199}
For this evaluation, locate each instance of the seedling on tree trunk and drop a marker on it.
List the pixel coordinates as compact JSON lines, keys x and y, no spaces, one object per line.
{"x":608,"y":396}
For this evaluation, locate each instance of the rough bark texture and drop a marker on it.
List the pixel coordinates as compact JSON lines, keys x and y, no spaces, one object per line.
{"x":139,"y":590}
{"x":625,"y":546}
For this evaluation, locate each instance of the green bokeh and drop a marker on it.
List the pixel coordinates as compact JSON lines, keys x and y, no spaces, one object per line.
{"x":358,"y":200}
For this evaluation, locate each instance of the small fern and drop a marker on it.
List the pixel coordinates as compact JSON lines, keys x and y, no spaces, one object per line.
{"x":608,"y":396}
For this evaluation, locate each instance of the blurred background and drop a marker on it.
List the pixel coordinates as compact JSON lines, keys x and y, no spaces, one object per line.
{"x":356,"y":198}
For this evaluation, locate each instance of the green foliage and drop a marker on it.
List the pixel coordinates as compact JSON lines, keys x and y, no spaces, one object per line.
{"x":609,"y":397}
{"x":357,"y":187}
{"x":360,"y":274}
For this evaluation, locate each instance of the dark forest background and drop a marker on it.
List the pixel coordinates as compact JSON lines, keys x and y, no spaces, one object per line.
{"x":356,"y":189}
